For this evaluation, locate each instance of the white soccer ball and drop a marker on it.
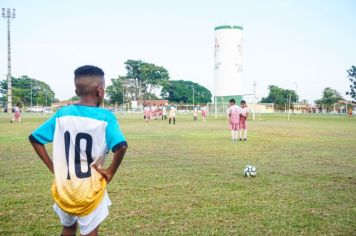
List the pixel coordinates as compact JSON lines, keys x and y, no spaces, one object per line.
{"x":250,"y":171}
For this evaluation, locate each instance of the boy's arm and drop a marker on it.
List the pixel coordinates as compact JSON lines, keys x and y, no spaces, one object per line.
{"x":42,"y":153}
{"x":111,"y":170}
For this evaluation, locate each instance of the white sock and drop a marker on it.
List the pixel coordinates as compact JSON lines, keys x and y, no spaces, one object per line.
{"x":232,"y":134}
{"x":245,"y":134}
{"x":236,"y":134}
{"x":240,"y":133}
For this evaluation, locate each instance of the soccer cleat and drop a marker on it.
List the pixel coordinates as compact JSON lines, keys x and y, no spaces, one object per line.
{"x":240,"y":139}
{"x":245,"y":139}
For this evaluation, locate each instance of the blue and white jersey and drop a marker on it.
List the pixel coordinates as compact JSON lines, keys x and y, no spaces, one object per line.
{"x":81,"y":136}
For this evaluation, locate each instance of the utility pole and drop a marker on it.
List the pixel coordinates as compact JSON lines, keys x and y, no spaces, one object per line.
{"x":254,"y":100}
{"x":216,"y":106}
{"x":123,"y":97}
{"x":290,"y":97}
{"x":193,"y":96}
{"x":31,"y":92}
{"x":8,"y":15}
{"x":296,"y":91}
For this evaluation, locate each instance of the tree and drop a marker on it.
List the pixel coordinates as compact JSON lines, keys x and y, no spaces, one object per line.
{"x":116,"y":89}
{"x":42,"y":94}
{"x":182,"y":91}
{"x":143,"y":78}
{"x":329,"y":98}
{"x":352,"y":77}
{"x":280,"y":97}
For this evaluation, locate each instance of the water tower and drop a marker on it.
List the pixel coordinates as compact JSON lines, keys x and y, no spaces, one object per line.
{"x":228,"y":63}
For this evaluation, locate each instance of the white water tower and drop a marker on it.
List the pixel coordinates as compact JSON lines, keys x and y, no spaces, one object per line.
{"x":228,"y":63}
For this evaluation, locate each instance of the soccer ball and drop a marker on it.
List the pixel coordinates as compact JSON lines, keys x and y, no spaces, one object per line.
{"x":250,"y":171}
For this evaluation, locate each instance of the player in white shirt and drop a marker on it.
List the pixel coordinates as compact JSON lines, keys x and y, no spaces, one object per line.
{"x":172,"y":114}
{"x":164,"y":113}
{"x":243,"y":120}
{"x":82,"y":135}
{"x":195,"y":113}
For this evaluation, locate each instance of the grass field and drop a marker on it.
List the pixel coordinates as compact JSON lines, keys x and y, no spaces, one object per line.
{"x":187,"y":179}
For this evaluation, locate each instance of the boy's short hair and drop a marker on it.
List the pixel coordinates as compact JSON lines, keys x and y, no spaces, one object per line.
{"x":88,"y":70}
{"x":232,"y":100}
{"x":87,"y":78}
{"x":243,"y":102}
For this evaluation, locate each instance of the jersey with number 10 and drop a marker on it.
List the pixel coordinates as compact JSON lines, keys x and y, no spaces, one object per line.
{"x":81,"y":136}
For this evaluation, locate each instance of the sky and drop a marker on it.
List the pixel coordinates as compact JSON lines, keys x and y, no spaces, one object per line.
{"x":305,"y":45}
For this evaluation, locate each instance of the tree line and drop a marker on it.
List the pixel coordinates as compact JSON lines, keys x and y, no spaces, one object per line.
{"x":145,"y":81}
{"x":26,"y":89}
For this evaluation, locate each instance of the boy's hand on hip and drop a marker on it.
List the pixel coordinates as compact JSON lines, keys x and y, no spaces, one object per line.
{"x":109,"y":173}
{"x":106,"y":173}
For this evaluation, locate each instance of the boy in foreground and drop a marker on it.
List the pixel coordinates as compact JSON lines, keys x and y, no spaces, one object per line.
{"x":243,"y":119}
{"x":234,"y":119}
{"x":82,"y":135}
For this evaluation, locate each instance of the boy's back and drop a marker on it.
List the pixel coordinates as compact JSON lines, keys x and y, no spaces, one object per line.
{"x":81,"y":135}
{"x":234,"y":114}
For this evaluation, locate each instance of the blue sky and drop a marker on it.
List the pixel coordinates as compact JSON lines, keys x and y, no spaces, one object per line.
{"x":303,"y":45}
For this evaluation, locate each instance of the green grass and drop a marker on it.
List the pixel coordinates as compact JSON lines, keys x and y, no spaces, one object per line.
{"x":187,"y":179}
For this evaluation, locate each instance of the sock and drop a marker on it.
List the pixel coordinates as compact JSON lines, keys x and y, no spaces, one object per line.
{"x":245,"y":134}
{"x":232,"y":134}
{"x":174,"y":120}
{"x":169,"y":120}
{"x":236,"y":134}
{"x":240,"y":133}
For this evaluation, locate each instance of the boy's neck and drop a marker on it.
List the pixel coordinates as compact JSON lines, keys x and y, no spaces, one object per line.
{"x":88,"y":101}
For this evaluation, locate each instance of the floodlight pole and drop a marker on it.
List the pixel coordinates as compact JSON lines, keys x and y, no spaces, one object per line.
{"x":8,"y":15}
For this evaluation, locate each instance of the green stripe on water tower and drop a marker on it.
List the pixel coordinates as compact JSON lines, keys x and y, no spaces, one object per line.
{"x":228,"y":27}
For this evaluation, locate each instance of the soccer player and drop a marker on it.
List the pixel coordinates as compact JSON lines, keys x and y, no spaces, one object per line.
{"x":164,"y":113}
{"x":204,"y":112}
{"x":172,"y":114}
{"x":234,"y":119}
{"x":17,"y":114}
{"x":82,"y":135}
{"x":243,"y":119}
{"x":195,"y":113}
{"x":349,"y":112}
{"x":145,"y":113}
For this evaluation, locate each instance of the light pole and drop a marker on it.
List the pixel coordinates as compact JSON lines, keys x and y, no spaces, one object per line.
{"x":8,"y":15}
